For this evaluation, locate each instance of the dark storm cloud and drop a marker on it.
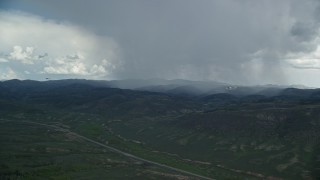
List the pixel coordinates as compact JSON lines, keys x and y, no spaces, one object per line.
{"x":303,"y":31}
{"x":224,"y":40}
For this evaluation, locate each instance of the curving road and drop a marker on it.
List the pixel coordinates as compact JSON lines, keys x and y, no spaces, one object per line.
{"x":114,"y":149}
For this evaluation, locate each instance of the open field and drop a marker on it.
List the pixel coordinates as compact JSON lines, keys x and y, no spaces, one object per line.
{"x":30,"y":151}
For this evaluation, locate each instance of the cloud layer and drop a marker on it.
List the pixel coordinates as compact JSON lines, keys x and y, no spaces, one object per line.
{"x":242,"y":42}
{"x":33,"y":47}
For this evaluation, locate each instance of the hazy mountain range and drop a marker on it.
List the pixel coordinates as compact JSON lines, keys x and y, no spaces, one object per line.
{"x":178,"y":86}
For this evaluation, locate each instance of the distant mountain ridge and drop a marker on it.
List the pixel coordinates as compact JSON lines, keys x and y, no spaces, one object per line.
{"x":175,"y":87}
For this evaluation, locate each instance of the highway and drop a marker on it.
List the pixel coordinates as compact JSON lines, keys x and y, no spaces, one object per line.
{"x":113,"y":149}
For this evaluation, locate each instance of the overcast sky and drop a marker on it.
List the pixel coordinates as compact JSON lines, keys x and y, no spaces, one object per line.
{"x":237,"y":41}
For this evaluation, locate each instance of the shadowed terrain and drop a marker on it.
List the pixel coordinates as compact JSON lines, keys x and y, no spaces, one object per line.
{"x":269,"y":133}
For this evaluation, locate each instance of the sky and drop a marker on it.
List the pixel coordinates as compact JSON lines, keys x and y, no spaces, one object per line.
{"x":245,"y":42}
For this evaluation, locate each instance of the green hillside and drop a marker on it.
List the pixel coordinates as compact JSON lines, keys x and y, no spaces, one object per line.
{"x":219,"y":136}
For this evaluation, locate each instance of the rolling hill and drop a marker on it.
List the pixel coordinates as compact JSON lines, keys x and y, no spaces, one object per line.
{"x":234,"y":133}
